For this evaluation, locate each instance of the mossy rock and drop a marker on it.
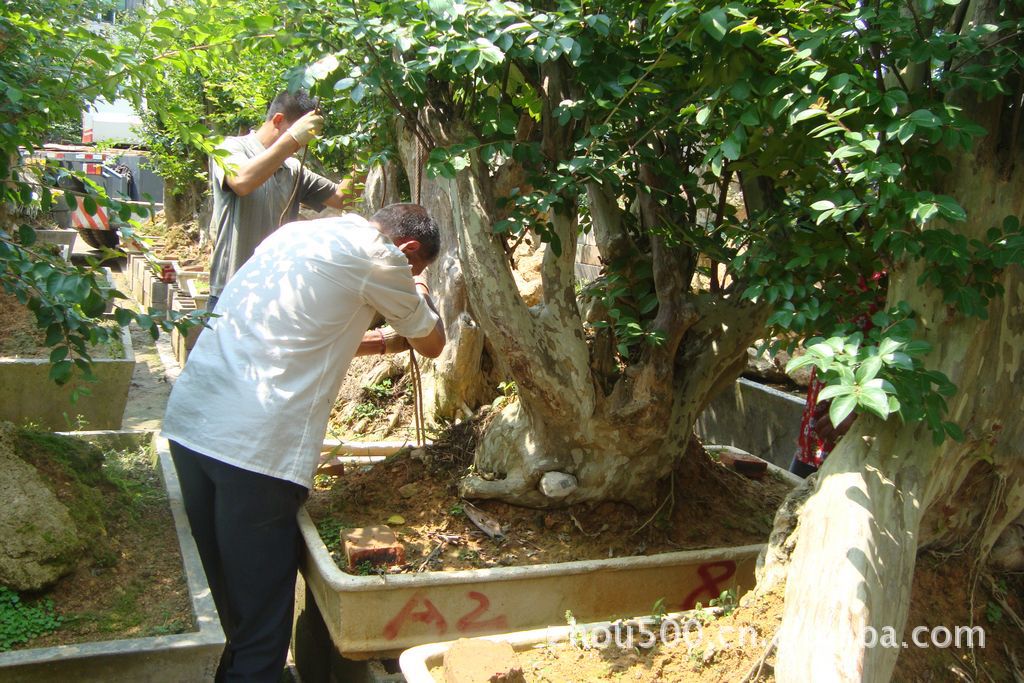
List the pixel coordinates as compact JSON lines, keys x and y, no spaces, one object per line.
{"x":57,"y":499}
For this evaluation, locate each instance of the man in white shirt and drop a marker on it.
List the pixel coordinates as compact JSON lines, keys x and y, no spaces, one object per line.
{"x":261,"y":177}
{"x":249,"y":412}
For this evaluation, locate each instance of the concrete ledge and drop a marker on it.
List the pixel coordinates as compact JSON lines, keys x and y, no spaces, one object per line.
{"x":64,"y":237}
{"x":755,"y":418}
{"x":160,"y":659}
{"x":28,"y":394}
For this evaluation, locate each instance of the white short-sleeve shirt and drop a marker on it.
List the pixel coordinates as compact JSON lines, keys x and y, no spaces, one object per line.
{"x":259,"y":385}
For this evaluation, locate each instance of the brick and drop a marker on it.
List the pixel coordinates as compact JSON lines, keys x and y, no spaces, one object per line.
{"x":377,"y":545}
{"x":481,"y":661}
{"x":746,"y":464}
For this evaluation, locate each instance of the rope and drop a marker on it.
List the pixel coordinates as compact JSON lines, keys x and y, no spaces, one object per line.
{"x":417,"y":389}
{"x":295,"y":187}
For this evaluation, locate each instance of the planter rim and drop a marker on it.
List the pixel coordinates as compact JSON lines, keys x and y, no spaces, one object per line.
{"x":342,"y":581}
{"x":761,"y":386}
{"x":415,"y":662}
{"x":208,"y":629}
{"x":193,"y":289}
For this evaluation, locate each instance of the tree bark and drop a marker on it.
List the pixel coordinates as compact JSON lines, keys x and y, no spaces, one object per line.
{"x":181,"y":203}
{"x":383,"y":187}
{"x":614,"y":446}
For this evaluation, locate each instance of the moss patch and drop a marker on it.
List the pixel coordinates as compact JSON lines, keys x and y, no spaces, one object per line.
{"x":128,"y":581}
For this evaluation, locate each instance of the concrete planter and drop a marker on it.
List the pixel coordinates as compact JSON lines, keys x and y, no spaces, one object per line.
{"x":189,"y":656}
{"x":28,"y":394}
{"x":156,"y":278}
{"x":61,"y":237}
{"x":199,"y":290}
{"x":182,"y":344}
{"x":373,"y":616}
{"x":417,"y":662}
{"x":755,"y":418}
{"x":185,"y":273}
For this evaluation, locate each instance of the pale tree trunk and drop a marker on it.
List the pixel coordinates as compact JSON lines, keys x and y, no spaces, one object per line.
{"x":383,"y":187}
{"x":887,"y":491}
{"x":182,"y":203}
{"x":457,"y":382}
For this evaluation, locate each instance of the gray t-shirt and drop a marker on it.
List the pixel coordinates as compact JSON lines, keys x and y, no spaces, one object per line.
{"x":239,"y":224}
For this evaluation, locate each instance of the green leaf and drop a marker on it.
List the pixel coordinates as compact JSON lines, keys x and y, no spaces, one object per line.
{"x":923,"y":118}
{"x":868,"y":370}
{"x":715,"y":22}
{"x":123,"y":316}
{"x":841,"y":408}
{"x":799,"y":362}
{"x":26,"y":235}
{"x":822,"y":349}
{"x":60,"y":372}
{"x":835,"y":391}
{"x":874,"y":400}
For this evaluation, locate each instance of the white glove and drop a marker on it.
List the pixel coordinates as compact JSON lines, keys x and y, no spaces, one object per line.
{"x":307,"y":128}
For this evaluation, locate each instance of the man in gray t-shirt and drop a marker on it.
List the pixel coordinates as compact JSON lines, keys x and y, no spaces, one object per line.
{"x":251,"y":195}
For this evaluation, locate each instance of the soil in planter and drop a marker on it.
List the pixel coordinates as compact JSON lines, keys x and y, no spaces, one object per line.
{"x":416,"y":495}
{"x":21,"y":338}
{"x":697,"y":647}
{"x":383,"y":410}
{"x":129,"y":581}
{"x":730,"y":647}
{"x":179,"y":241}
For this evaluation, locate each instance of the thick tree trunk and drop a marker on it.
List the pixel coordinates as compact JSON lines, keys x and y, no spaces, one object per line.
{"x":182,"y":203}
{"x":564,"y":428}
{"x":887,"y":491}
{"x":383,"y":187}
{"x":459,"y":381}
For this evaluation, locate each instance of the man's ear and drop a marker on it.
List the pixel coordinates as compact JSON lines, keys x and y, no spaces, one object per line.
{"x":277,"y":119}
{"x":409,"y":246}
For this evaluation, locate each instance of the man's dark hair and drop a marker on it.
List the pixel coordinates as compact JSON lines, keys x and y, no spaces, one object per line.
{"x":410,"y":221}
{"x":294,"y":105}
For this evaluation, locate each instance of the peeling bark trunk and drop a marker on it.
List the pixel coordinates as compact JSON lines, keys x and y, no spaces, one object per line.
{"x":458,"y":382}
{"x":383,"y":187}
{"x":181,"y":204}
{"x":617,"y":446}
{"x":886,"y":490}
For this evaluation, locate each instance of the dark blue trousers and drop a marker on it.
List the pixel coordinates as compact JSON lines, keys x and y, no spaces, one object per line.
{"x":245,"y":527}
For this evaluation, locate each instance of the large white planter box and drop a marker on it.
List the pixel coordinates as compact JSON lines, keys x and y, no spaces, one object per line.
{"x":417,"y":662}
{"x":191,"y":656}
{"x":374,"y":616}
{"x":28,"y":394}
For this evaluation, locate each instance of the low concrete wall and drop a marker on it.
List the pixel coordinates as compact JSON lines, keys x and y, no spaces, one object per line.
{"x":178,"y":658}
{"x":27,"y":394}
{"x":755,"y":418}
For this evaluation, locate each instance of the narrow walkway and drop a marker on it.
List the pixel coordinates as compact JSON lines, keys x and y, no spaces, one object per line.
{"x":155,"y":372}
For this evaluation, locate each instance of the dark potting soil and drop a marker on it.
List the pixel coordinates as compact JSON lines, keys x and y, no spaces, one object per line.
{"x":417,"y":497}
